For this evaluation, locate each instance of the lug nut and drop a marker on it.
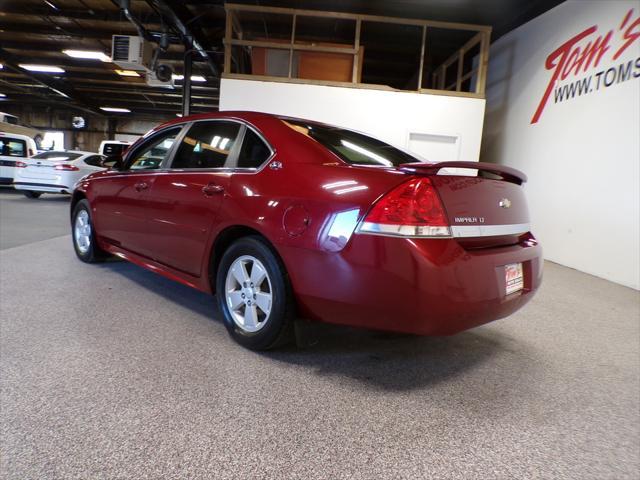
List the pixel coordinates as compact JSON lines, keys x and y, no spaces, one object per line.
{"x":242,"y":295}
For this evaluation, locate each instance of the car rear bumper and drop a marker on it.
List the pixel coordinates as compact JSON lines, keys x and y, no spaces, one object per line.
{"x":420,"y":286}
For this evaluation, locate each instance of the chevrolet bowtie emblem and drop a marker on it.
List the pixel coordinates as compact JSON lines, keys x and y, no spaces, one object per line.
{"x":505,"y":203}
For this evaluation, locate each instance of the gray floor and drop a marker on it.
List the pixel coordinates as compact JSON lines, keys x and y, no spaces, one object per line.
{"x":112,"y":372}
{"x":20,"y":223}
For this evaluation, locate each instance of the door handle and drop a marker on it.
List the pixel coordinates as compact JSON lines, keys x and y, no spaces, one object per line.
{"x":212,"y":189}
{"x":141,"y":186}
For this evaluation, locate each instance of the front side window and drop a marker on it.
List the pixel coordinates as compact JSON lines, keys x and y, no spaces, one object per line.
{"x":151,"y":155}
{"x":11,"y":147}
{"x":254,"y":151}
{"x":206,"y":145}
{"x":352,"y":147}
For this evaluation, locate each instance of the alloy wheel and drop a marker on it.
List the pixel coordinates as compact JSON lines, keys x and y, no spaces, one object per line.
{"x":82,"y":231}
{"x":248,"y":293}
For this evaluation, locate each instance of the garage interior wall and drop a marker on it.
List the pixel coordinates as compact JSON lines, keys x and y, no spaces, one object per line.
{"x":580,"y":146}
{"x":437,"y":127}
{"x":89,"y":139}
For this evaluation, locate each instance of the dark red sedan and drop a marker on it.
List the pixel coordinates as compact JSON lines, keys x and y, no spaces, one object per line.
{"x":286,"y":218}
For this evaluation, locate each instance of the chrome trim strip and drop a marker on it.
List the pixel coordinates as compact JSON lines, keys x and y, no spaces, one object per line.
{"x":405,"y":231}
{"x":467,"y":231}
{"x":455,"y":231}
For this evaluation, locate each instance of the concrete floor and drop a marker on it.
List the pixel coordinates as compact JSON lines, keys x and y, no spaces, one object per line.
{"x":110,"y":372}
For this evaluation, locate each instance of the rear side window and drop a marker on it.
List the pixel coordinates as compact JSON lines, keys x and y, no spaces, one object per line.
{"x":352,"y":147}
{"x":94,"y":160}
{"x":12,"y":147}
{"x":206,"y":145}
{"x":254,"y":151}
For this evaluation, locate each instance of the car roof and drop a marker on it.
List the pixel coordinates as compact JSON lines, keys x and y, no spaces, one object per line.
{"x":246,"y":115}
{"x":19,"y":136}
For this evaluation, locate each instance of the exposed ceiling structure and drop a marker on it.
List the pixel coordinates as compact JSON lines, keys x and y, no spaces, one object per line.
{"x":37,"y":32}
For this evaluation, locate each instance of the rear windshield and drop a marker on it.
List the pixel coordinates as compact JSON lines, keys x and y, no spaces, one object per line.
{"x":61,"y":156}
{"x":352,"y":147}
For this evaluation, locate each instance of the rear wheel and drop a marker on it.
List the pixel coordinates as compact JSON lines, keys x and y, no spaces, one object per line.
{"x":31,"y":194}
{"x":254,"y":295}
{"x":83,"y":234}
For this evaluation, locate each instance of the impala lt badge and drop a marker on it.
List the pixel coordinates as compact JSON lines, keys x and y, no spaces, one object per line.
{"x":469,"y":219}
{"x":505,"y":203}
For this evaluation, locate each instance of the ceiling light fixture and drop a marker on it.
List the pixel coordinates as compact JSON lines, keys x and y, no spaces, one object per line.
{"x":127,"y":73}
{"x":51,"y":5}
{"x":41,"y":68}
{"x":115,"y":109}
{"x":87,"y":55}
{"x":194,"y":78}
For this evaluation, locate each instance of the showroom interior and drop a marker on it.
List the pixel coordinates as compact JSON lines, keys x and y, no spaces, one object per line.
{"x":411,"y":158}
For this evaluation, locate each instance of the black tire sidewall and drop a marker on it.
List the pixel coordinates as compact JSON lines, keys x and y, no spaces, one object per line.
{"x":280,"y":316}
{"x":31,"y":194}
{"x":93,"y":254}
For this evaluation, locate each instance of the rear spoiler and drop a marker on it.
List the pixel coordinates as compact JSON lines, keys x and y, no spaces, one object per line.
{"x":506,"y":173}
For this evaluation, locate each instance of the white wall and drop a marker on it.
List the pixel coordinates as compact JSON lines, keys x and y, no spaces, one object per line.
{"x":444,"y":127}
{"x":582,"y":155}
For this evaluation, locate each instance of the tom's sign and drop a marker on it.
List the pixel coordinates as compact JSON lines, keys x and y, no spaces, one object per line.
{"x":583,"y":53}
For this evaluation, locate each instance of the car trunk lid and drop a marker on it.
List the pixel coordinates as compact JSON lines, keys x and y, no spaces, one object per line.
{"x":41,"y":169}
{"x":486,"y":210}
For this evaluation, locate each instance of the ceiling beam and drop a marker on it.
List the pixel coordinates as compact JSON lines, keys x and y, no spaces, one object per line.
{"x":17,"y":8}
{"x":88,"y":32}
{"x":57,"y":86}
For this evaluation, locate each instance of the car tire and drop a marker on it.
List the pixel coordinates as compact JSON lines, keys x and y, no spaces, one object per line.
{"x":254,"y":295}
{"x":31,"y":194}
{"x":83,"y":234}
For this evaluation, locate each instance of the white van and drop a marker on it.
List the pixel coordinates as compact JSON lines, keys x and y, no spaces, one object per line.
{"x":14,"y":148}
{"x":113,"y":147}
{"x":11,"y":124}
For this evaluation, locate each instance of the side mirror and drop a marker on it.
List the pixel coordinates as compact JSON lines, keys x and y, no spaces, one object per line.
{"x":113,"y":162}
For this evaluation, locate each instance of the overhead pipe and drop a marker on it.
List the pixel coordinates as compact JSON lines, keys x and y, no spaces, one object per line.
{"x":125,"y":6}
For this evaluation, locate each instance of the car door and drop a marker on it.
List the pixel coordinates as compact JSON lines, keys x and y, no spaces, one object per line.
{"x":121,"y":196}
{"x":183,"y":203}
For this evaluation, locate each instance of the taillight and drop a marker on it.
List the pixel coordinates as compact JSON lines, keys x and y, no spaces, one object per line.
{"x":66,"y":167}
{"x":413,"y":209}
{"x":20,"y":164}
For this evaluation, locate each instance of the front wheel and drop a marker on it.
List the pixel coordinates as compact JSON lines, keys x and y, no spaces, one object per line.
{"x":254,"y":295}
{"x":83,"y":234}
{"x":31,"y":194}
